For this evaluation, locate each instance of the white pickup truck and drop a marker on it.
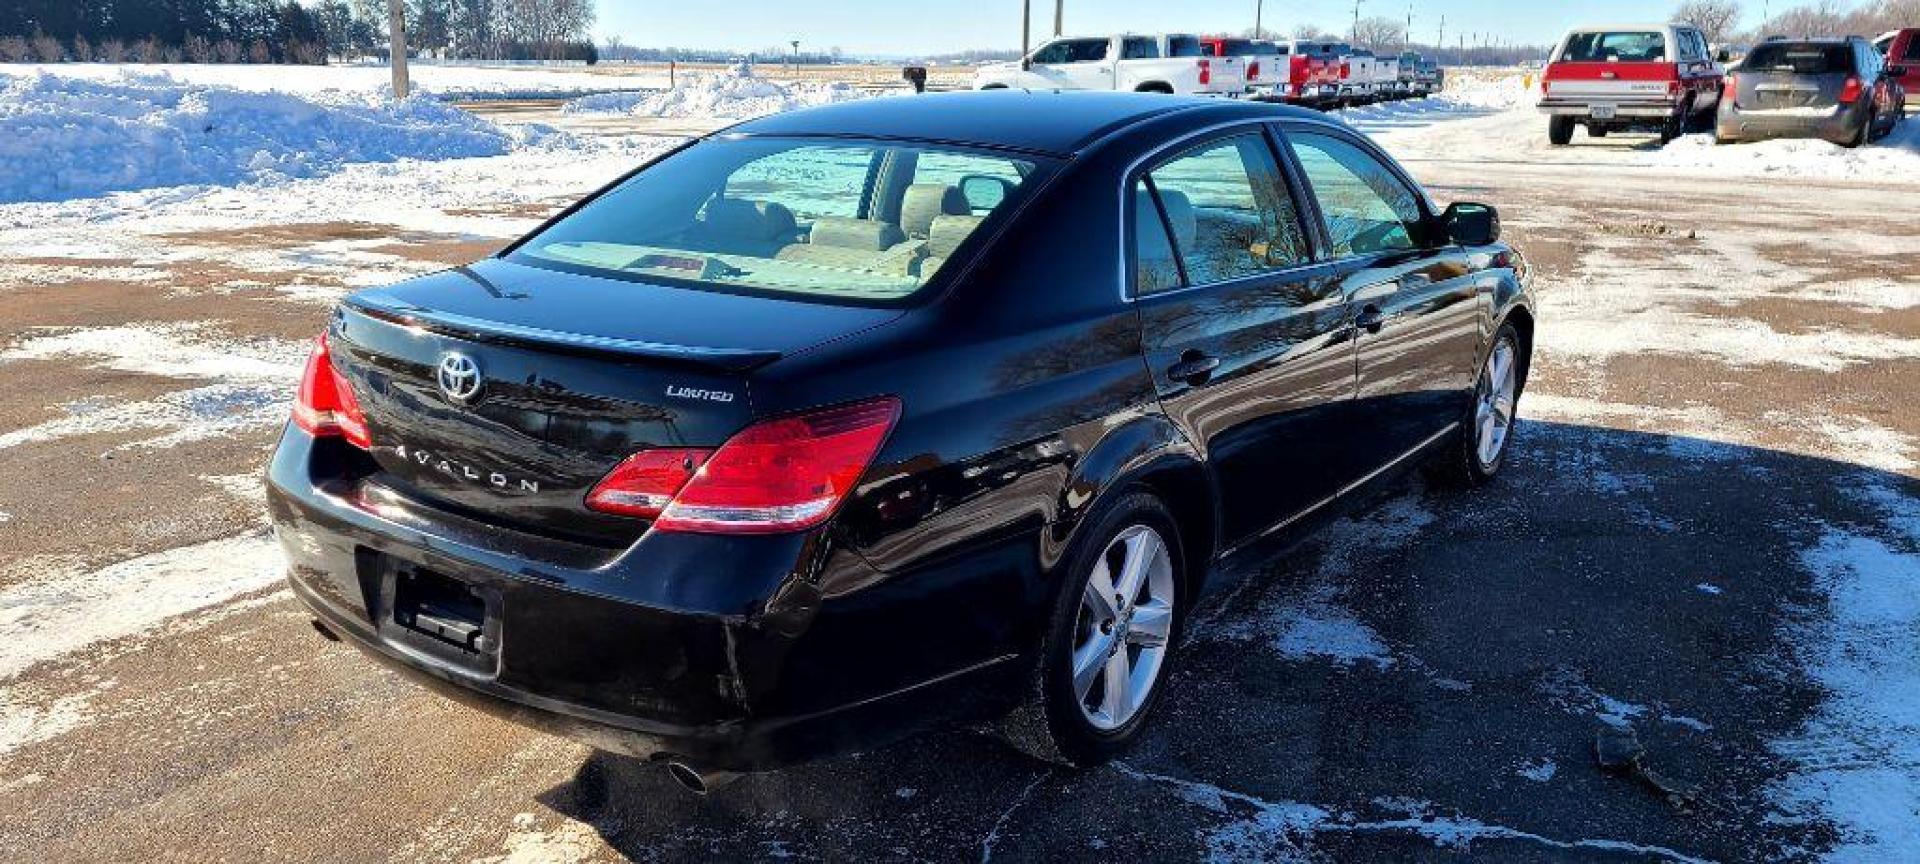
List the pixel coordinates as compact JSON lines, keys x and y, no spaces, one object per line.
{"x":1172,"y":63}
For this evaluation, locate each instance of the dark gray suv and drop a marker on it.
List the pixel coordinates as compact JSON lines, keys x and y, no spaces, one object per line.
{"x":1838,"y":89}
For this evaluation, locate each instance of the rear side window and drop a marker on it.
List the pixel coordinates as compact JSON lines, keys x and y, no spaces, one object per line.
{"x":1225,"y":208}
{"x":1366,"y":206}
{"x":1911,"y":53}
{"x":1615,"y":47}
{"x":1183,"y":46}
{"x":1801,"y":58}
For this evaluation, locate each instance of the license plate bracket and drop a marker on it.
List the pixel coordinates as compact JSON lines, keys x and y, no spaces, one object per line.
{"x":1605,"y":112}
{"x":451,"y":620}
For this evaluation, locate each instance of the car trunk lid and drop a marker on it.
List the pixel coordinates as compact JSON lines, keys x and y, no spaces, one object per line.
{"x":569,"y":375}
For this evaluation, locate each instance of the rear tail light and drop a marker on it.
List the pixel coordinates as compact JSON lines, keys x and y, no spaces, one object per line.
{"x":325,"y":405}
{"x":1346,"y":69}
{"x":1731,"y":90}
{"x":1673,"y":89}
{"x":787,"y":474}
{"x":1253,"y":71}
{"x":1850,"y":93}
{"x":1206,"y":72}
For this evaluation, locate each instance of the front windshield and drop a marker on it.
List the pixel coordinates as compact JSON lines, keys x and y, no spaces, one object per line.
{"x":856,"y":221}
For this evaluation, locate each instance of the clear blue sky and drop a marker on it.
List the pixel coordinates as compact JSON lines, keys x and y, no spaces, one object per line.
{"x":936,"y":26}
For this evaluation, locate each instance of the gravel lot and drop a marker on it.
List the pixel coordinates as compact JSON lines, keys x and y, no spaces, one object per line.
{"x":1709,"y":535}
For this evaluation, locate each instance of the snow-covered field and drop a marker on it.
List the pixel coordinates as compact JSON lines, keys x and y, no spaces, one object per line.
{"x":440,"y":81}
{"x":170,"y":245}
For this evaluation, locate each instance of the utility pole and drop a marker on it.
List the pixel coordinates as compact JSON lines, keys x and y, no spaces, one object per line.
{"x":397,"y":42}
{"x":1026,"y":32}
{"x":1441,"y":42}
{"x":1059,"y":18}
{"x":1406,"y":39}
{"x":1356,"y":22}
{"x":793,"y":63}
{"x":1258,"y":7}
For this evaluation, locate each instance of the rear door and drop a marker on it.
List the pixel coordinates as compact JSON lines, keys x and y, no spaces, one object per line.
{"x":1246,"y":334}
{"x":1419,"y":312}
{"x":1075,"y":64}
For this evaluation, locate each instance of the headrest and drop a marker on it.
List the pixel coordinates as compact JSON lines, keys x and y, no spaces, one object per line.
{"x":948,"y":232}
{"x":864,"y":235}
{"x":747,"y":220}
{"x":1186,"y":226}
{"x":924,"y":202}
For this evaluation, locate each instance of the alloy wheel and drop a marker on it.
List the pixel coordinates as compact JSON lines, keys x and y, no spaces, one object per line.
{"x":1494,"y":402}
{"x":1123,"y":628}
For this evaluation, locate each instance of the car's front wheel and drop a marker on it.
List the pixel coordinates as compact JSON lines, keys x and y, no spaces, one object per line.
{"x":1110,"y":637}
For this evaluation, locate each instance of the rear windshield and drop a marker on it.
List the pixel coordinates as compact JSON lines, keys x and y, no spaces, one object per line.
{"x":1615,"y":47}
{"x":1803,"y":59}
{"x":840,"y":220}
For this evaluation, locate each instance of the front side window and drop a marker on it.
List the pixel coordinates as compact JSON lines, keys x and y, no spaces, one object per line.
{"x":1911,"y":53}
{"x":1225,"y":208}
{"x":1615,"y":47}
{"x":839,"y":221}
{"x":1367,"y":208}
{"x":1072,"y":51}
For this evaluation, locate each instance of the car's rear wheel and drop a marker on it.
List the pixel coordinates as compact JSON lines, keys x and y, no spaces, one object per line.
{"x":1595,"y":130}
{"x":1862,"y":135}
{"x":1110,"y":637}
{"x":1676,"y":124}
{"x":1490,"y":419}
{"x":1560,"y":131}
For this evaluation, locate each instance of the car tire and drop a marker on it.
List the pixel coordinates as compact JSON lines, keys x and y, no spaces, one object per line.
{"x":1478,"y":455}
{"x":1560,"y":131}
{"x":1137,"y":634}
{"x":1860,"y":137}
{"x":1596,"y":131}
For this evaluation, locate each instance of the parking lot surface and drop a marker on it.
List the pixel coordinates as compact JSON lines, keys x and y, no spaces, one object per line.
{"x":1709,"y":536}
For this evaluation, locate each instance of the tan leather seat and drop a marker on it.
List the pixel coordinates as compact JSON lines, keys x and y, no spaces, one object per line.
{"x":943,"y":237}
{"x":838,"y":241}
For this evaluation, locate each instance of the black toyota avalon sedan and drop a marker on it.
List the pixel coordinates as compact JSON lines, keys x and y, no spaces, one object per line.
{"x":852,"y":420}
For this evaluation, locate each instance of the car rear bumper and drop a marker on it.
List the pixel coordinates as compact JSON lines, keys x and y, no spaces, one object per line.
{"x":1839,"y":125}
{"x":1592,"y":109}
{"x":708,"y":654}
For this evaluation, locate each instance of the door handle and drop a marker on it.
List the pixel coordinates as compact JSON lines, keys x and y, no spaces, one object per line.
{"x":1194,"y":368}
{"x":1370,"y":319}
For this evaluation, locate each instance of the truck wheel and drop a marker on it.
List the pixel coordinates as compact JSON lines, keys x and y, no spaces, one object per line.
{"x":1862,"y":136}
{"x":1560,"y":131}
{"x":1596,"y":131}
{"x":1154,"y":88}
{"x":1676,"y":124}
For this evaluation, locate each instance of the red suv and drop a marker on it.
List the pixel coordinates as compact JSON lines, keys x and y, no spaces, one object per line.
{"x":1901,"y":48}
{"x":1657,"y":77}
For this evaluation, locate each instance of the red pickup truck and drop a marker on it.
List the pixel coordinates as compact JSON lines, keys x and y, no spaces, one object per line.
{"x":1654,"y":77}
{"x":1902,"y":48}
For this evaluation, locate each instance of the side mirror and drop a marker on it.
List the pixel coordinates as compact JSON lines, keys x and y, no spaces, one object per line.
{"x":983,"y":193}
{"x":1723,"y":56}
{"x":1468,"y":224}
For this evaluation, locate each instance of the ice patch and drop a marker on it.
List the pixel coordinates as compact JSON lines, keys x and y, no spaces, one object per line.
{"x":58,"y":613}
{"x":168,"y":350}
{"x":1539,"y":770}
{"x":1857,"y":761}
{"x":25,"y":720}
{"x":570,"y":843}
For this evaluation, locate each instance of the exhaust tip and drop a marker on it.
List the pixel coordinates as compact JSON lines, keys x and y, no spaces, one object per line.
{"x":688,"y":778}
{"x":321,"y":628}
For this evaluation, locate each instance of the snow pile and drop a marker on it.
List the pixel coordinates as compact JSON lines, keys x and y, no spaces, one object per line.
{"x":1464,"y":96}
{"x":64,"y":138}
{"x":444,"y":81}
{"x":738,"y":94}
{"x":1897,"y":155}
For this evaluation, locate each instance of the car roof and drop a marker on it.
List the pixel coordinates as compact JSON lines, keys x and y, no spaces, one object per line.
{"x":1045,"y":122}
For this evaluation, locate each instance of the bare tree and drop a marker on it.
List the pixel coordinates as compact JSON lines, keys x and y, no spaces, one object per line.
{"x":1715,"y":18}
{"x":1308,"y":31}
{"x":1380,"y":34}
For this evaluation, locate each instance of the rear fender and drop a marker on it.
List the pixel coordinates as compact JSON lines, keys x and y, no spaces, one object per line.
{"x":1148,"y":451}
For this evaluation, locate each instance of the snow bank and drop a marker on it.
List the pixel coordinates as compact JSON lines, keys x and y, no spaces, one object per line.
{"x":1464,"y":96}
{"x":65,"y":138}
{"x":1897,"y":155}
{"x":738,"y":94}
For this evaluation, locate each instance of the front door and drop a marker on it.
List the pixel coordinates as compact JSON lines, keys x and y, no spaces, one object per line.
{"x":1247,"y":337}
{"x":1421,"y":313}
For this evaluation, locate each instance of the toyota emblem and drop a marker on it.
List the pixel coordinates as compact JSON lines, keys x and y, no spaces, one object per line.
{"x":459,"y":377}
